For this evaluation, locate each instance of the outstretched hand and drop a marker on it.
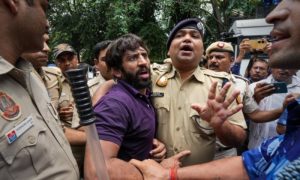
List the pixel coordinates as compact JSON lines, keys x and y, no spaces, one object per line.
{"x":174,"y":161}
{"x":151,"y":170}
{"x":216,"y":111}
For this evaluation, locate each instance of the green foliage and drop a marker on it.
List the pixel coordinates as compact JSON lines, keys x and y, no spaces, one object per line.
{"x":83,"y":23}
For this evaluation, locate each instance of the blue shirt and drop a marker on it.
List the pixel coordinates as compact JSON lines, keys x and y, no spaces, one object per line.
{"x":235,"y":68}
{"x":126,"y":118}
{"x":271,"y":159}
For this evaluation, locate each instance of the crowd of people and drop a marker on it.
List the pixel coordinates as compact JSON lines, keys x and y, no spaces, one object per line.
{"x":192,"y":117}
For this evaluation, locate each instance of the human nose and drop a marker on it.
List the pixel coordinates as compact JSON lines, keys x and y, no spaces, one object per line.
{"x":279,"y":13}
{"x":142,"y":60}
{"x":46,"y":48}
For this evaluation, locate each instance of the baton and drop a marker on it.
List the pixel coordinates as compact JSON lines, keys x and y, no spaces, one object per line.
{"x":81,"y":94}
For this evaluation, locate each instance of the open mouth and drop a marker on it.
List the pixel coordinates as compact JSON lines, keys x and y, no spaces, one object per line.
{"x":186,"y":48}
{"x":144,"y":74}
{"x":278,"y":36}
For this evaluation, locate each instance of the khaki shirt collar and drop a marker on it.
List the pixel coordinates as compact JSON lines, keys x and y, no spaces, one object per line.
{"x":198,"y":74}
{"x":5,"y":66}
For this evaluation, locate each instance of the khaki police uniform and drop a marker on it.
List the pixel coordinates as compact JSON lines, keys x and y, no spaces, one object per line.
{"x":249,"y":105}
{"x":179,"y":126}
{"x":94,"y":83}
{"x":52,"y":78}
{"x":32,"y":143}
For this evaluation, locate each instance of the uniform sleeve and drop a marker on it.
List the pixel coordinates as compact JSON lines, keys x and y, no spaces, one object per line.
{"x":111,"y":120}
{"x":249,"y":103}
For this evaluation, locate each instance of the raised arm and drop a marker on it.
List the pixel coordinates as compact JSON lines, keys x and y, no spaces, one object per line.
{"x":216,"y":113}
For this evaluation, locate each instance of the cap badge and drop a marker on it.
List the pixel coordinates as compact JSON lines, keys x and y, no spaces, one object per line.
{"x":221,"y":45}
{"x":9,"y":110}
{"x":162,"y":81}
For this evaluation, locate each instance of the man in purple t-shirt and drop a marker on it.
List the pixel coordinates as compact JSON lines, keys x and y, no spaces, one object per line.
{"x":125,"y":116}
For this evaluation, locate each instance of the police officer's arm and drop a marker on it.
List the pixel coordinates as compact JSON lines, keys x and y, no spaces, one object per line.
{"x":227,"y":168}
{"x":75,"y":136}
{"x":102,"y":90}
{"x":117,"y":168}
{"x":216,"y":112}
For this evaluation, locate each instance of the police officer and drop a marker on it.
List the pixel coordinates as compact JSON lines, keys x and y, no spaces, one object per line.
{"x":179,"y":126}
{"x":32,"y":144}
{"x":66,"y":58}
{"x":220,"y":58}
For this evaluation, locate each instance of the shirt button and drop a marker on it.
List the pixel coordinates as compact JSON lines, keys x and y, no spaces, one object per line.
{"x":179,"y":108}
{"x":176,"y":150}
{"x":178,"y":128}
{"x":31,"y":139}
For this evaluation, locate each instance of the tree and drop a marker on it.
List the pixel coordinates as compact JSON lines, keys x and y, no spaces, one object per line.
{"x":83,"y":23}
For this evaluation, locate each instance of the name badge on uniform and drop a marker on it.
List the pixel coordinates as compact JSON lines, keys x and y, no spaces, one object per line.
{"x":157,"y":94}
{"x":20,"y":129}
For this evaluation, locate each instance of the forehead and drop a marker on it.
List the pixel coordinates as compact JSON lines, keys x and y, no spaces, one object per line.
{"x":66,"y":55}
{"x":260,"y":63}
{"x":217,"y":53}
{"x":188,"y":30}
{"x":137,"y":50}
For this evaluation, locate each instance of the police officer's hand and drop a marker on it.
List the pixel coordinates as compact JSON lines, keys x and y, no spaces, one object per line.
{"x":150,"y":169}
{"x":66,"y":113}
{"x":216,"y":111}
{"x":174,"y":161}
{"x":159,"y":151}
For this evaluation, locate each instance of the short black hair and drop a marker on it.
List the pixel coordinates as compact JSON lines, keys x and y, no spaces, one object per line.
{"x":117,"y":49}
{"x":99,"y":47}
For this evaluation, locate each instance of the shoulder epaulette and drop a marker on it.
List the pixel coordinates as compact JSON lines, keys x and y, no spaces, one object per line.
{"x":162,"y":67}
{"x":93,"y":82}
{"x":215,"y":74}
{"x":52,"y":70}
{"x":241,"y":77}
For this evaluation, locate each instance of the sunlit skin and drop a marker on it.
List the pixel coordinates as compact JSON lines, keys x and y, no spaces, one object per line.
{"x":136,"y":64}
{"x":219,"y":61}
{"x":186,"y":50}
{"x":258,"y":71}
{"x":66,"y":61}
{"x":101,"y":65}
{"x":283,"y":75}
{"x":285,"y":49}
{"x":40,"y":58}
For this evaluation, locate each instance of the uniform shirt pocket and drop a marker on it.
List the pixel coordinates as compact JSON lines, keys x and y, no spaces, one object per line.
{"x":199,"y":126}
{"x":31,"y":152}
{"x":162,"y":107}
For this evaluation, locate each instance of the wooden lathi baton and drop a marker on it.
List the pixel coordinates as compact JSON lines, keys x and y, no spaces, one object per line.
{"x":78,"y":82}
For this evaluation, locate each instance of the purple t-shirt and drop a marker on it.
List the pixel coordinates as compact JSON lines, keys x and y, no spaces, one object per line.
{"x":127,"y":118}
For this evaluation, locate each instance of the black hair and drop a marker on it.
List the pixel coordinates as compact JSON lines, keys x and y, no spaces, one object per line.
{"x":117,"y":49}
{"x":100,"y":46}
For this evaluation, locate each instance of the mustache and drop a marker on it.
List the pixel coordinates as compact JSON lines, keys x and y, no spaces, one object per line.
{"x":213,"y":65}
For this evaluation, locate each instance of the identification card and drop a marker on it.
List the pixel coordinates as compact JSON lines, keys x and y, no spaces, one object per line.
{"x":20,"y":129}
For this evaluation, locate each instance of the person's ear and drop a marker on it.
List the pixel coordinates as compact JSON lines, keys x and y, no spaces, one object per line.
{"x":116,"y":73}
{"x":12,"y":5}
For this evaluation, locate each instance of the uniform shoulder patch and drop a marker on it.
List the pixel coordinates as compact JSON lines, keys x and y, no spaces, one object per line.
{"x":53,"y":70}
{"x":93,"y":82}
{"x":241,"y":77}
{"x":215,"y":74}
{"x":9,"y":109}
{"x":167,"y":67}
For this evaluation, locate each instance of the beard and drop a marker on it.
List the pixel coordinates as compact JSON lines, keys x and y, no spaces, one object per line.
{"x":134,"y":80}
